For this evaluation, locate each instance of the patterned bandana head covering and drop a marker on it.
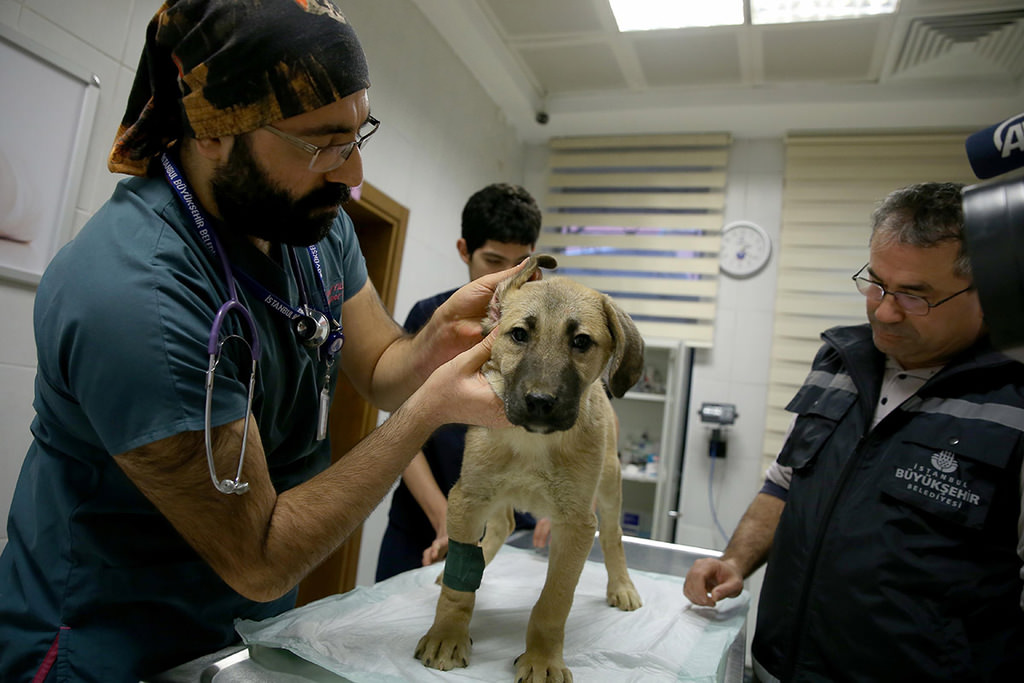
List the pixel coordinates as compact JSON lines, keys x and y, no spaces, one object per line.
{"x":225,"y":67}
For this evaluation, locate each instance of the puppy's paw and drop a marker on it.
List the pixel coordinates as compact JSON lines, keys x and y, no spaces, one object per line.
{"x":623,"y":595}
{"x":532,"y":668}
{"x":444,"y":648}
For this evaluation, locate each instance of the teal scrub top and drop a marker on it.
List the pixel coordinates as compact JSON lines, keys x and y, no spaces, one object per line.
{"x":94,"y":583}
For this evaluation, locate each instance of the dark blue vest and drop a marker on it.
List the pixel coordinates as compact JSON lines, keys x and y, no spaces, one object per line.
{"x":896,"y":555}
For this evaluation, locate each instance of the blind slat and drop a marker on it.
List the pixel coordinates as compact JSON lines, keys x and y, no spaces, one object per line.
{"x":627,"y":141}
{"x":694,"y":335}
{"x":826,"y":282}
{"x":627,"y":219}
{"x":704,"y":243}
{"x":820,"y":257}
{"x":651,"y":285}
{"x":835,"y":235}
{"x":645,"y":159}
{"x":658,"y":264}
{"x":821,"y":306}
{"x":668,"y":309}
{"x":636,"y":200}
{"x":794,"y":350}
{"x":674,"y":179}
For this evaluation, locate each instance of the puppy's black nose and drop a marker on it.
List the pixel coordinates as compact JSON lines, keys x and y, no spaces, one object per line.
{"x":539,"y":404}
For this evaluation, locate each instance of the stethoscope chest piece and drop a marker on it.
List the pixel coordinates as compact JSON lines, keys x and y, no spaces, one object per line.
{"x":312,"y":327}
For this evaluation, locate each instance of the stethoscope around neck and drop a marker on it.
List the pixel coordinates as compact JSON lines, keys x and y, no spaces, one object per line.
{"x":314,"y":328}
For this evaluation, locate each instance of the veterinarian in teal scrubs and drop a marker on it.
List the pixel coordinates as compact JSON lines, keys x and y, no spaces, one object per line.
{"x":135,"y":542}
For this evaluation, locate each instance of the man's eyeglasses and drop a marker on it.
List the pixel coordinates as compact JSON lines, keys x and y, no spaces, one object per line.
{"x":329,"y":157}
{"x":910,"y":303}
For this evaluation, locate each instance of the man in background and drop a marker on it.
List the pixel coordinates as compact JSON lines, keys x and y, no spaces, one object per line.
{"x":500,"y":225}
{"x":891,"y":520}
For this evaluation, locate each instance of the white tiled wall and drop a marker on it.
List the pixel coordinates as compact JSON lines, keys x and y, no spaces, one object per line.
{"x":735,"y":369}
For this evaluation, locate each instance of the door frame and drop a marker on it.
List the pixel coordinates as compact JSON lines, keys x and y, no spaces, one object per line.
{"x":380,"y":224}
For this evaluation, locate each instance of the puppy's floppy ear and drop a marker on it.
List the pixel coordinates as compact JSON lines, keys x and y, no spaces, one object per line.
{"x":529,"y":272}
{"x":627,"y":362}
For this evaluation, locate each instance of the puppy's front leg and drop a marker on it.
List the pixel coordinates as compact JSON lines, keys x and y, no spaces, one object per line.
{"x":570,"y":544}
{"x":446,"y":645}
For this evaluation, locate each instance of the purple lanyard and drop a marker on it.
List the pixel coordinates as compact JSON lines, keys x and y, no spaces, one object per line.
{"x":331,"y":339}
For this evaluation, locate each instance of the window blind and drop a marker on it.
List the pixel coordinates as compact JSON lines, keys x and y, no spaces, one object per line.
{"x":639,"y":218}
{"x":832,"y":185}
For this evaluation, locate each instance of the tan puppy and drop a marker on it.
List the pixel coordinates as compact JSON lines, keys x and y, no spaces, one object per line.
{"x":555,"y":341}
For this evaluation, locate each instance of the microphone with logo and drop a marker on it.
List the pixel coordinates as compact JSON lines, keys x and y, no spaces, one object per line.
{"x":994,"y":229}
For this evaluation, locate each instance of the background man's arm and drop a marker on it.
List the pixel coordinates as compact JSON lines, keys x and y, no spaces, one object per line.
{"x":711,"y":579}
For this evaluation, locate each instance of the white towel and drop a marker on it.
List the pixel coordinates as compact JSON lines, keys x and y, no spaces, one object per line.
{"x":368,"y":635}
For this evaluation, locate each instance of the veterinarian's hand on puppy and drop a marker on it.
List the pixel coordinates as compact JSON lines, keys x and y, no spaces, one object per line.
{"x":457,"y":392}
{"x":710,"y":580}
{"x":465,"y":309}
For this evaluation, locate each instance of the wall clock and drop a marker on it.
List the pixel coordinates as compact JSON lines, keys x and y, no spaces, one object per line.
{"x":746,"y":249}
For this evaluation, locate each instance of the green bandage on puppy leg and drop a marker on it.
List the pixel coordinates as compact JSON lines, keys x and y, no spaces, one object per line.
{"x":464,"y":567}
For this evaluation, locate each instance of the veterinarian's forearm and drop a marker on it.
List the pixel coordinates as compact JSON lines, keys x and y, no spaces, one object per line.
{"x":748,"y":549}
{"x":311,"y":520}
{"x":423,"y":487}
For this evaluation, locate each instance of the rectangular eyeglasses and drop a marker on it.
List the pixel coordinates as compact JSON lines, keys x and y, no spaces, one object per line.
{"x":329,"y":157}
{"x":910,"y":303}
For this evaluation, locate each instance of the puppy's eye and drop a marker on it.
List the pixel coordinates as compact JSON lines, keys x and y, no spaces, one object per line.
{"x":582,"y":342}
{"x":518,"y":335}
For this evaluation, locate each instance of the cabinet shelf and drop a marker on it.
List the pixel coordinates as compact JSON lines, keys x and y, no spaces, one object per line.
{"x":642,"y":478}
{"x":645,"y":396}
{"x":650,"y":426}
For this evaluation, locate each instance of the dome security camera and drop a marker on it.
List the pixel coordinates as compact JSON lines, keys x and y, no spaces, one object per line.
{"x":542,"y":117}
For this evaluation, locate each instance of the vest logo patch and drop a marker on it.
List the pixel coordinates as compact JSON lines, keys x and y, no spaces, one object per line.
{"x":944,"y":461}
{"x":937,"y":480}
{"x":940,"y":487}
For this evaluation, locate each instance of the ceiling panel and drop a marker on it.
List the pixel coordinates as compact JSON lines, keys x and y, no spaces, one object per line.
{"x":695,"y":59}
{"x":522,"y":18}
{"x":568,"y":68}
{"x":835,"y":50}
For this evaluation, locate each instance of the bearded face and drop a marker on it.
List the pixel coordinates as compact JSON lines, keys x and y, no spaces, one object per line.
{"x":251,"y":203}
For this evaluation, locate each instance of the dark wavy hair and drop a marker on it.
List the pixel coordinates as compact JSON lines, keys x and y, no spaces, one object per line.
{"x":501,"y":212}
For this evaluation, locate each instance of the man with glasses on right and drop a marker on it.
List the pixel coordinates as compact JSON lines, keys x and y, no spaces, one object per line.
{"x":891,"y":519}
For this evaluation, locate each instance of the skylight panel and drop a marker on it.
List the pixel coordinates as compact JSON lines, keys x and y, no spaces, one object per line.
{"x":791,"y":11}
{"x":649,"y":15}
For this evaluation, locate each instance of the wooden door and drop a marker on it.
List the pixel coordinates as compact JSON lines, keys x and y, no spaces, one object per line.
{"x":380,"y":224}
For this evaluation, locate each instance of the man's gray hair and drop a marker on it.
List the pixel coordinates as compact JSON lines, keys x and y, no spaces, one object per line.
{"x":923,"y":215}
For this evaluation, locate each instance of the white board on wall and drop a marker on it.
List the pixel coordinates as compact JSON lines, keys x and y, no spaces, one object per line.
{"x":47,"y":111}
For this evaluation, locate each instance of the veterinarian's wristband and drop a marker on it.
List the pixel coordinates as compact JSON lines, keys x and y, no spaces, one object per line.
{"x":464,"y":567}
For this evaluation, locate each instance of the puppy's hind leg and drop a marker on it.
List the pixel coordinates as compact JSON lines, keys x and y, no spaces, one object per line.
{"x":621,"y":592}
